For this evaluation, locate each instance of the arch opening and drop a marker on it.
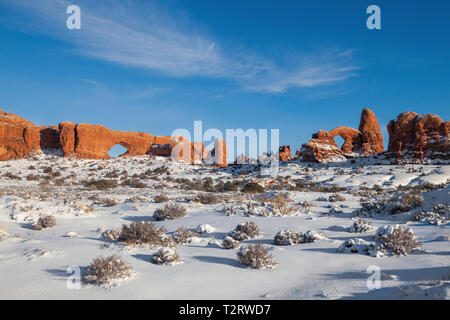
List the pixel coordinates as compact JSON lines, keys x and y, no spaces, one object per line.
{"x":117,"y":151}
{"x":339,"y":141}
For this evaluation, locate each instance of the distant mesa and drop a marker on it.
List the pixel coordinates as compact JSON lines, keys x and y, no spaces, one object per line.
{"x":20,"y":138}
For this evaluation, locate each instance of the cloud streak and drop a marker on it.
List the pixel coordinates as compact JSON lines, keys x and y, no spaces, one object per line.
{"x":158,"y":43}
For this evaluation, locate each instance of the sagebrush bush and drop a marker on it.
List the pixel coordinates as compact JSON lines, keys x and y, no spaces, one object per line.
{"x":360,"y":226}
{"x":440,"y":215}
{"x":253,"y":187}
{"x":336,"y":198}
{"x":111,"y":234}
{"x":166,"y":256}
{"x":169,"y":212}
{"x":288,"y":238}
{"x":109,"y":202}
{"x":133,"y":183}
{"x":397,"y":239}
{"x":161,"y":198}
{"x":44,"y":223}
{"x":246,"y":231}
{"x":207,"y":198}
{"x":230,"y":243}
{"x":102,"y":184}
{"x":256,"y":256}
{"x":181,"y":235}
{"x":145,"y":233}
{"x":107,"y":271}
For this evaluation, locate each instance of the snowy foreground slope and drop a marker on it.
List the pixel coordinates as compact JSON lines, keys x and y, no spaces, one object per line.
{"x":33,"y":263}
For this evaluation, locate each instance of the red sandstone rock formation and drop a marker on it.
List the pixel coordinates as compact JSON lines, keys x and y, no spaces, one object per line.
{"x":365,"y":141}
{"x":419,"y":136}
{"x":285,"y":153}
{"x":20,"y":138}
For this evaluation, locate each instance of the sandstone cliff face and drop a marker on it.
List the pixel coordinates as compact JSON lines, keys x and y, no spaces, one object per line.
{"x":20,"y":138}
{"x":419,"y":136}
{"x":366,"y":141}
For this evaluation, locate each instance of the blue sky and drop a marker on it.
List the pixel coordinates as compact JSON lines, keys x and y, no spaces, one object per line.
{"x":155,"y":66}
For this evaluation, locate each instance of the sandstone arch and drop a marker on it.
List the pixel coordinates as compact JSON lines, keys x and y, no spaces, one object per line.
{"x":351,"y":137}
{"x":20,"y":138}
{"x":365,"y":141}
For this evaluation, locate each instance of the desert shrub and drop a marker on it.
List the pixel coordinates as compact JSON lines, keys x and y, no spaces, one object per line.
{"x":288,"y":237}
{"x":284,"y":209}
{"x":404,"y":202}
{"x":181,"y":235}
{"x":279,"y":198}
{"x":229,"y":243}
{"x":133,"y":183}
{"x":245,"y":231}
{"x":102,"y":184}
{"x":47,"y":170}
{"x":207,"y":198}
{"x":112,"y":174}
{"x":360,"y":246}
{"x":108,"y":202}
{"x":145,"y":233}
{"x":256,"y":256}
{"x":107,"y":271}
{"x":377,"y":188}
{"x":12,"y":176}
{"x":205,"y":228}
{"x":397,"y":239}
{"x":396,"y":203}
{"x":360,"y":226}
{"x":169,"y":212}
{"x":32,"y":177}
{"x":56,"y":174}
{"x":160,"y":198}
{"x":111,"y":234}
{"x":253,"y":187}
{"x":44,"y":223}
{"x":166,"y":256}
{"x":226,"y":187}
{"x":336,"y":198}
{"x":440,"y":215}
{"x":59,"y":182}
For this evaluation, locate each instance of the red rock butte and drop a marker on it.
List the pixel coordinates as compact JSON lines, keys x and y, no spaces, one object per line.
{"x":419,"y":136}
{"x":20,"y":138}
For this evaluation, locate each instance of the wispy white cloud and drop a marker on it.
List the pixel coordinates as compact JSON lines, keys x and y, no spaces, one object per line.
{"x":94,"y":83}
{"x":162,"y":44}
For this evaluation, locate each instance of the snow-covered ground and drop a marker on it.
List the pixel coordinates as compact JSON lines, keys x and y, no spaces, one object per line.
{"x":33,"y":264}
